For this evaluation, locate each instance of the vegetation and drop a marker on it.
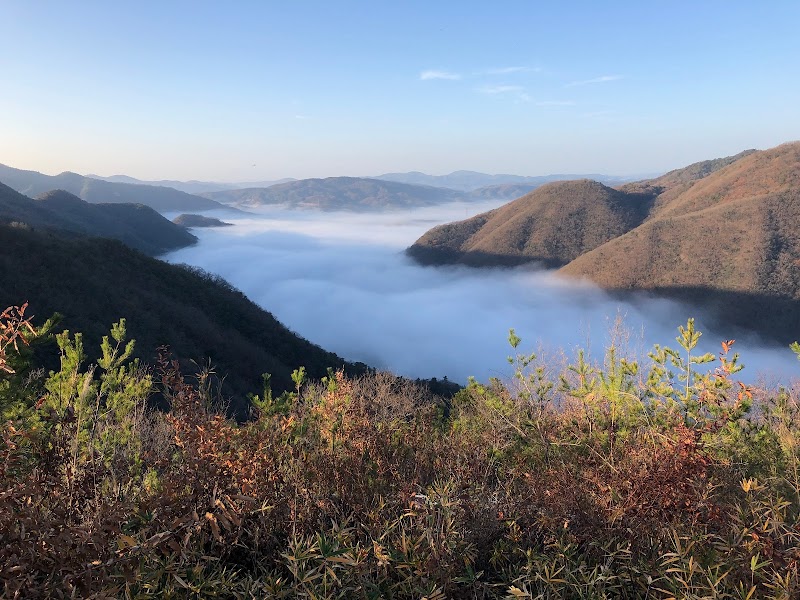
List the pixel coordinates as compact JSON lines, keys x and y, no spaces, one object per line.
{"x":33,"y":183}
{"x":136,"y":225}
{"x":339,"y":193}
{"x":191,"y":220}
{"x":623,"y":479}
{"x":721,"y":234}
{"x":552,"y":225}
{"x":94,"y":282}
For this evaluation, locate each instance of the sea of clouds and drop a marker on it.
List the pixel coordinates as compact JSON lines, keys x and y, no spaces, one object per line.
{"x":342,"y":281}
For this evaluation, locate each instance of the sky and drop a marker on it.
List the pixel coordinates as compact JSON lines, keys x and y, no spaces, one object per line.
{"x":249,"y":91}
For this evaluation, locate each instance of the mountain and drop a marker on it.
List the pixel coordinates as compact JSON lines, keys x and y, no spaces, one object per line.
{"x":736,"y":228}
{"x":192,"y":186}
{"x":340,"y":193}
{"x":190,"y":220}
{"x":93,"y":282}
{"x":723,"y":234}
{"x":32,"y":183}
{"x":468,"y":181}
{"x":552,"y":225}
{"x":503,"y":191}
{"x":136,"y":225}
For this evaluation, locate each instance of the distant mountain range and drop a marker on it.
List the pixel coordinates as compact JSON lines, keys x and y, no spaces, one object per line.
{"x":463,"y":181}
{"x":723,"y":233}
{"x":468,"y":181}
{"x":361,"y":194}
{"x":389,"y":191}
{"x":192,"y":186}
{"x":339,"y":193}
{"x":32,"y":183}
{"x":136,"y":225}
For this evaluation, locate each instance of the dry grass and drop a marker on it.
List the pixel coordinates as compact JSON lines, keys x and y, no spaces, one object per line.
{"x":605,"y":483}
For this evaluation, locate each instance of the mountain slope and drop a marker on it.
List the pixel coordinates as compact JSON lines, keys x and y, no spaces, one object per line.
{"x":136,"y":225}
{"x":339,"y":193}
{"x":722,"y":234}
{"x":191,"y":186}
{"x":503,"y":191}
{"x":93,"y":282}
{"x":191,"y":220}
{"x":32,"y":183}
{"x":737,"y":229}
{"x":553,"y":225}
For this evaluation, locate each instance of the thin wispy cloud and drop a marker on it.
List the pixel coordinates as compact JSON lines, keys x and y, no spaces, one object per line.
{"x":500,"y":89}
{"x":509,"y":70}
{"x":556,"y":103}
{"x":433,"y":74}
{"x":301,"y":117}
{"x":601,"y":79}
{"x":514,"y":91}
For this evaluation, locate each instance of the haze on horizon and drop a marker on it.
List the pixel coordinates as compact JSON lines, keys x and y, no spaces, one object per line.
{"x":260,"y":91}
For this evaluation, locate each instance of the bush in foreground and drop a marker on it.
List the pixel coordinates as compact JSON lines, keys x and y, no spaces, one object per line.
{"x":603,"y":481}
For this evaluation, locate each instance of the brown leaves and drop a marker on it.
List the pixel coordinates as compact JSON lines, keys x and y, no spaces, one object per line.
{"x":14,"y":327}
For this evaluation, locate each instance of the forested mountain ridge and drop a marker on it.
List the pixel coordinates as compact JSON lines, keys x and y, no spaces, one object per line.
{"x":724,"y":233}
{"x":736,"y":228}
{"x":340,"y":193}
{"x":136,"y":225}
{"x":33,"y":183}
{"x":551,"y":225}
{"x":94,"y":282}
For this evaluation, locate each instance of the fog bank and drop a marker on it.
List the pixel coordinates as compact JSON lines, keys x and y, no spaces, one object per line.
{"x":342,"y":281}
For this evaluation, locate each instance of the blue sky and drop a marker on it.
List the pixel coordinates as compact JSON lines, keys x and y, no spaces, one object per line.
{"x":261,"y":90}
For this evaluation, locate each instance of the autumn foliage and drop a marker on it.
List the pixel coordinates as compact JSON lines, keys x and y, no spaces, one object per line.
{"x":606,"y":480}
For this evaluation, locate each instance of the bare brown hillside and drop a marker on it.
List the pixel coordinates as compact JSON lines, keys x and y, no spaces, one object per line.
{"x":552,"y":225}
{"x":736,"y":229}
{"x":723,"y":234}
{"x":730,"y":243}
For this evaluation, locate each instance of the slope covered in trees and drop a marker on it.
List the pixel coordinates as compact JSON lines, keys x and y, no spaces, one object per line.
{"x":551,"y":225}
{"x":192,"y":220}
{"x":731,"y":240}
{"x":33,"y":183}
{"x":340,"y":193}
{"x":722,"y":233}
{"x":136,"y":225}
{"x":94,"y":282}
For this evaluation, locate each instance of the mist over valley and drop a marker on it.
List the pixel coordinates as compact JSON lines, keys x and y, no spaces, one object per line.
{"x":343,"y":281}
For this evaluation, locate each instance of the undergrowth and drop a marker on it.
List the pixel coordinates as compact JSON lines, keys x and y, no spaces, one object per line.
{"x":622,"y":479}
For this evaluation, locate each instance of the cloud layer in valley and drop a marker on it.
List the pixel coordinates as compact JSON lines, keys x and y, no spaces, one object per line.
{"x":342,"y":281}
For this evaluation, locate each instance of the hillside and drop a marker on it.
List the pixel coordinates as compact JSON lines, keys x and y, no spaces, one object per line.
{"x":339,"y":193}
{"x":552,"y":225}
{"x":90,"y":282}
{"x":503,"y":191}
{"x":192,"y":186}
{"x":32,"y":183}
{"x":192,"y":220}
{"x":136,"y":225}
{"x":723,"y":234}
{"x":731,"y":240}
